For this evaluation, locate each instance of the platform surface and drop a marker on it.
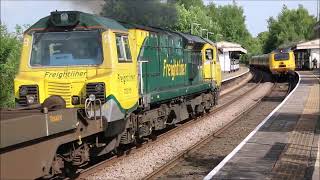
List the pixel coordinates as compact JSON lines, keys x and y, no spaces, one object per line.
{"x":285,"y":145}
{"x":228,"y":76}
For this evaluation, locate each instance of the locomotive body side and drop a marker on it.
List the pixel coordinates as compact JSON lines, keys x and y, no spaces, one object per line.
{"x":261,"y":61}
{"x":167,"y":68}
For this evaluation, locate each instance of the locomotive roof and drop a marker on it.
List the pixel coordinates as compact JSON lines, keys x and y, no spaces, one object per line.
{"x":191,"y":39}
{"x":89,"y":21}
{"x":210,"y":42}
{"x":84,"y":20}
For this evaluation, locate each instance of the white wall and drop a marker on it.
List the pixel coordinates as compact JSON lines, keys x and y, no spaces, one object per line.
{"x":225,"y":61}
{"x":314,"y":53}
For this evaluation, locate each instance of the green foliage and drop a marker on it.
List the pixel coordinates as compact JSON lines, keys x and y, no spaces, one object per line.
{"x":190,"y":3}
{"x":290,"y":26}
{"x":225,"y":22}
{"x":232,"y":23}
{"x":9,"y":61}
{"x":151,"y":12}
{"x":194,"y":14}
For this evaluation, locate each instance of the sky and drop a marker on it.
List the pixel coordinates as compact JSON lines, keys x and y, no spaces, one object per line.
{"x":256,"y":11}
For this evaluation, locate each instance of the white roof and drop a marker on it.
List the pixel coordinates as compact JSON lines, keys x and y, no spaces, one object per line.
{"x":313,"y":44}
{"x":229,"y":46}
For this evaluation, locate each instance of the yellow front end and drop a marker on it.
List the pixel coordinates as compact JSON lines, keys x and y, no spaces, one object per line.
{"x":211,"y":65}
{"x":116,"y":75}
{"x":282,"y":65}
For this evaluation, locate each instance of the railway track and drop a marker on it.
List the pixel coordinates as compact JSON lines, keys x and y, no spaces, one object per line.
{"x":224,"y":101}
{"x":170,"y":164}
{"x":190,"y":155}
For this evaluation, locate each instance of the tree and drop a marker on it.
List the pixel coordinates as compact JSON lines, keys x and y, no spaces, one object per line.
{"x":232,"y":23}
{"x":263,"y":38}
{"x":143,"y":12}
{"x":290,"y":26}
{"x":190,"y":3}
{"x":9,"y":61}
{"x":215,"y":28}
{"x":225,"y":22}
{"x":185,"y":17}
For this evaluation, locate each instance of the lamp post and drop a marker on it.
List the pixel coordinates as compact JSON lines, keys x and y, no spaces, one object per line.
{"x":192,"y":26}
{"x":203,"y":30}
{"x":209,"y":33}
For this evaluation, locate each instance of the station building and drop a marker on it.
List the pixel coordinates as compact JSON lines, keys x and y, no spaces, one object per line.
{"x":229,"y":55}
{"x":306,"y":52}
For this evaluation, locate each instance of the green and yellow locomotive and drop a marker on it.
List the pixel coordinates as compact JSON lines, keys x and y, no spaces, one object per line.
{"x":93,"y":83}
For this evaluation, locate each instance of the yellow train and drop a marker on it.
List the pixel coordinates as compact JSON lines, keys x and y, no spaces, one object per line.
{"x":279,"y":62}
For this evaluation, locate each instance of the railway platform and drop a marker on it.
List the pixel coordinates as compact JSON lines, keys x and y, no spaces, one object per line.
{"x":228,"y":76}
{"x":285,"y":145}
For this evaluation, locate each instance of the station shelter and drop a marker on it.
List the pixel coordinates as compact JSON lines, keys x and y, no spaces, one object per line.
{"x":306,"y":52}
{"x":229,"y":55}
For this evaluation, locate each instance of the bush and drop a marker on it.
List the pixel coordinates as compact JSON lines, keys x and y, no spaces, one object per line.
{"x":9,"y":61}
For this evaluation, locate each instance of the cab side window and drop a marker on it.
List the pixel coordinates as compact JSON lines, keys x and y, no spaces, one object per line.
{"x":217,"y":55}
{"x":123,"y":48}
{"x":209,"y":54}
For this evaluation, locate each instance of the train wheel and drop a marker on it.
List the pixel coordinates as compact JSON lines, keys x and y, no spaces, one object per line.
{"x":69,"y":170}
{"x":119,"y":151}
{"x":153,"y":136}
{"x":139,"y":142}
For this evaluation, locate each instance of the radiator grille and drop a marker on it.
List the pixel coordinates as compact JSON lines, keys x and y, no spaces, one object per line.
{"x":60,"y":89}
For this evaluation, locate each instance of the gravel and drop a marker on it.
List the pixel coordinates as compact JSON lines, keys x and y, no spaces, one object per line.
{"x":142,"y":162}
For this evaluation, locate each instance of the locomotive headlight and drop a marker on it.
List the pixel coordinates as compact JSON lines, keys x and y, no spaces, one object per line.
{"x":64,"y":17}
{"x":99,"y":87}
{"x":28,"y":94}
{"x":96,"y":90}
{"x":92,"y":97}
{"x":31,"y":99}
{"x":23,"y":91}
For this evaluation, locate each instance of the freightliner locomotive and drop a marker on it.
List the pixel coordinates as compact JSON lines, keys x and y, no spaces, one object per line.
{"x":88,"y":85}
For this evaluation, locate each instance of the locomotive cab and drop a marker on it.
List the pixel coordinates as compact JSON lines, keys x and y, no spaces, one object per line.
{"x":281,"y":61}
{"x":76,"y":55}
{"x":211,"y":64}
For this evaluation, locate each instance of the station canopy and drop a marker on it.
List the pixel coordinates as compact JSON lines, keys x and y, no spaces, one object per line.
{"x":313,"y":44}
{"x":225,"y":46}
